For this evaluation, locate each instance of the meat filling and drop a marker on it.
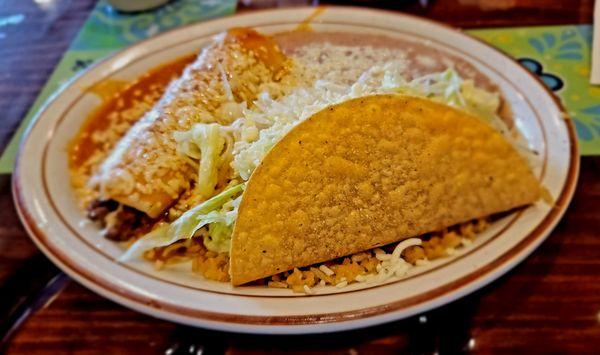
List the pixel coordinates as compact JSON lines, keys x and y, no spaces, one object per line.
{"x":120,"y":223}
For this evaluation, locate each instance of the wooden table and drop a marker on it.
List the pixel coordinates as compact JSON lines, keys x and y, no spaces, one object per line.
{"x":549,"y":303}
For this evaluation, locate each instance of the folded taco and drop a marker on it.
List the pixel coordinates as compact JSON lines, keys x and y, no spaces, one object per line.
{"x":369,"y":172}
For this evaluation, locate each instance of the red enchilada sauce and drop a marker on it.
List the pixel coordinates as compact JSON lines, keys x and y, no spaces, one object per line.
{"x":118,"y":96}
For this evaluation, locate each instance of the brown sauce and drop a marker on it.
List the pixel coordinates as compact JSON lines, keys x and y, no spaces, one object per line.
{"x":117,"y":96}
{"x":305,"y":24}
{"x":264,"y":47}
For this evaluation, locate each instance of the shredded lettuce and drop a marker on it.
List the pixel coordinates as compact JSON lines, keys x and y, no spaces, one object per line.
{"x":205,"y":143}
{"x":218,"y":238}
{"x":449,"y":88}
{"x":221,"y":209}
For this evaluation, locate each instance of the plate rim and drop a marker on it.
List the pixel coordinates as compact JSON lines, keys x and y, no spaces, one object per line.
{"x":324,"y":322}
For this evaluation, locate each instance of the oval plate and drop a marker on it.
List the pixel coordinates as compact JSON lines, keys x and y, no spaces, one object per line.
{"x":49,"y":211}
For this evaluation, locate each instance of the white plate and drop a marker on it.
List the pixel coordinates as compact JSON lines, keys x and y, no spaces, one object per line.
{"x":49,"y":211}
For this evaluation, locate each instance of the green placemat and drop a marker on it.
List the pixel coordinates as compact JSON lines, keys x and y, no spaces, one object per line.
{"x":106,"y":31}
{"x":560,"y":55}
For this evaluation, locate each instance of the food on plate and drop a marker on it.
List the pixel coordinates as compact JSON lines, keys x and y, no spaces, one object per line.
{"x":300,"y":160}
{"x":368,"y":172}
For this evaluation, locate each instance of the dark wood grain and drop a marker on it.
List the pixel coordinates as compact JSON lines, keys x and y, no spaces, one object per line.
{"x":550,"y":303}
{"x":30,"y":50}
{"x":466,"y":13}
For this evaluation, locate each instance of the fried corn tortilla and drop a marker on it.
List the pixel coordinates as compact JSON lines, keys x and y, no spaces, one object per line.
{"x":369,"y":172}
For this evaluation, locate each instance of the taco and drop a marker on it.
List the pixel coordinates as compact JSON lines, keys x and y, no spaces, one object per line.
{"x":368,"y":172}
